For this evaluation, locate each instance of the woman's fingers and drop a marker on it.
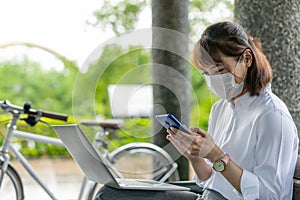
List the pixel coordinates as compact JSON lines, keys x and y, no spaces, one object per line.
{"x":185,"y":143}
{"x":198,"y":131}
{"x":198,"y":143}
{"x":194,"y":129}
{"x":181,"y":148}
{"x":184,"y":138}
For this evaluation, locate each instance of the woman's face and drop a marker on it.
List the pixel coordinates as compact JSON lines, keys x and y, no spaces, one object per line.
{"x":222,"y":64}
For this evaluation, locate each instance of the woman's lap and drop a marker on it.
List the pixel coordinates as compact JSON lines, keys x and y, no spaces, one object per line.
{"x":196,"y":193}
{"x":108,"y":193}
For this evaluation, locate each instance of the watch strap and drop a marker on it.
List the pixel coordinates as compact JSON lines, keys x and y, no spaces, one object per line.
{"x":225,"y":158}
{"x":223,"y":161}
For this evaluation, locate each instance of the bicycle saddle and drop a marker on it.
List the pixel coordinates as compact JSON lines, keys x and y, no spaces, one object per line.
{"x":113,"y":124}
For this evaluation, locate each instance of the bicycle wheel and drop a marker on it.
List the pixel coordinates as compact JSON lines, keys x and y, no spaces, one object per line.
{"x":143,"y":161}
{"x":11,"y":187}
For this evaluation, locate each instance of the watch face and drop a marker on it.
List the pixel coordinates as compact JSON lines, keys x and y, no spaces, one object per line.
{"x":219,"y":166}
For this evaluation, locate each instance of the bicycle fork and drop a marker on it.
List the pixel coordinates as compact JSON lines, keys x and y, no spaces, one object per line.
{"x":4,"y":158}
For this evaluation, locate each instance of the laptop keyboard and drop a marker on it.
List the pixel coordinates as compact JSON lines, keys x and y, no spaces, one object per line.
{"x":139,"y":182}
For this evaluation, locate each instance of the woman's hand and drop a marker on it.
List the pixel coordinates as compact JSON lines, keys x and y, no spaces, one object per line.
{"x":198,"y":144}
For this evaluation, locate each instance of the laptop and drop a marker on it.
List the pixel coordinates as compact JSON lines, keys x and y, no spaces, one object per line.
{"x":94,"y":166}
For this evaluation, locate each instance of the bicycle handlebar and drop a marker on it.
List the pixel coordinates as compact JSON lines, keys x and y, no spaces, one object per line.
{"x":26,"y":109}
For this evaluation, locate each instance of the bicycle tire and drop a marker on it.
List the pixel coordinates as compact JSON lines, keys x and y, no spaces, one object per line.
{"x":161,"y":159}
{"x":11,"y":187}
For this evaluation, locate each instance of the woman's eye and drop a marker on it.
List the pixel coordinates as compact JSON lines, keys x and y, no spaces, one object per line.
{"x":220,"y":70}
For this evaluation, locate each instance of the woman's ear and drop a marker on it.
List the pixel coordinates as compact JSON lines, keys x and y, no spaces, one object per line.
{"x":248,"y":57}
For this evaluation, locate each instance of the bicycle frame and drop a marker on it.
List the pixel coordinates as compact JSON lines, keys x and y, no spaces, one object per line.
{"x":7,"y":145}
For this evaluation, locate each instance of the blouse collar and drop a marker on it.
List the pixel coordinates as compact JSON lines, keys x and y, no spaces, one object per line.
{"x":245,"y":100}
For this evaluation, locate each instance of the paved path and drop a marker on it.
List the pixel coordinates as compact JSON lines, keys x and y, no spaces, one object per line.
{"x":62,"y":176}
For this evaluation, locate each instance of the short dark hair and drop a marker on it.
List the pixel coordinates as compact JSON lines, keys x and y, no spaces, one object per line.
{"x":232,"y":40}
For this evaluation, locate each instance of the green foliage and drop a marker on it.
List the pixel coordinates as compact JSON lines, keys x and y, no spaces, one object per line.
{"x":46,"y":89}
{"x":205,"y":12}
{"x":51,"y":90}
{"x":134,"y":130}
{"x":122,"y":15}
{"x":115,"y":66}
{"x":201,"y":14}
{"x":131,"y":67}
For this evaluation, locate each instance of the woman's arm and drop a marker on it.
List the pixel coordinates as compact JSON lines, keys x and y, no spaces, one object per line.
{"x":200,"y":145}
{"x":204,"y":146}
{"x":275,"y":157}
{"x":201,"y":168}
{"x":232,"y":172}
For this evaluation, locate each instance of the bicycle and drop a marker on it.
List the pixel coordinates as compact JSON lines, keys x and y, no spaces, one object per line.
{"x":10,"y":180}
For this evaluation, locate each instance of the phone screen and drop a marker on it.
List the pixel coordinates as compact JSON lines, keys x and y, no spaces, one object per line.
{"x":169,"y":120}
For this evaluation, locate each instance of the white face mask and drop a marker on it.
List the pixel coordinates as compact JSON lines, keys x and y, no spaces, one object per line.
{"x":224,"y":85}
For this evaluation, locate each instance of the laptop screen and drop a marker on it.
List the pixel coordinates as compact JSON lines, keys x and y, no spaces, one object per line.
{"x":89,"y":160}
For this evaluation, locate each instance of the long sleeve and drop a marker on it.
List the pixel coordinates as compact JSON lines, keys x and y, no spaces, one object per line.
{"x":275,"y":153}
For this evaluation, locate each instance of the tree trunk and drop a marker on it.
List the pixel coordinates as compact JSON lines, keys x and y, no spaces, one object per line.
{"x":170,"y":70}
{"x":276,"y":23}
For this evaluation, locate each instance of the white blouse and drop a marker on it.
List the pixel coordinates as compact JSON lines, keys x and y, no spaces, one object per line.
{"x":260,"y":136}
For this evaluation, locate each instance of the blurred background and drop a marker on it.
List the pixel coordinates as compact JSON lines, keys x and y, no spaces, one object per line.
{"x":46,"y":49}
{"x":43,"y":45}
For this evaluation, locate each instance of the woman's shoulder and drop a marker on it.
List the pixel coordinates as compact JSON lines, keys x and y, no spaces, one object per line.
{"x":271,"y":102}
{"x":272,"y":112}
{"x":219,"y":104}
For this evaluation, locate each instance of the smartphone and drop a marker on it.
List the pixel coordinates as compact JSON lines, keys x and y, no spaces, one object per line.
{"x":169,"y":120}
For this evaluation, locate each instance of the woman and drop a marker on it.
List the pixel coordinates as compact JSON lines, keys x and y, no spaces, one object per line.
{"x":251,"y":146}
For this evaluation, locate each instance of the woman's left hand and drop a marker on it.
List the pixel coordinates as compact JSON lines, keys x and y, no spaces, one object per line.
{"x":197,"y":144}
